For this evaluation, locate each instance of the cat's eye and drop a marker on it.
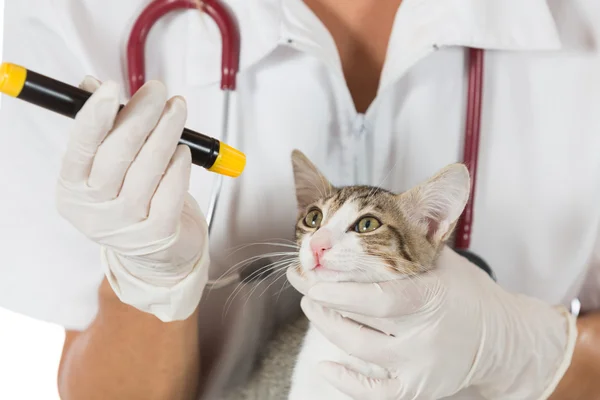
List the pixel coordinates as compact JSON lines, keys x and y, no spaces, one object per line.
{"x":313,"y":219}
{"x":367,"y":224}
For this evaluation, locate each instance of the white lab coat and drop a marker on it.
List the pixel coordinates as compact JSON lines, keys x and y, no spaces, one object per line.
{"x":537,"y":207}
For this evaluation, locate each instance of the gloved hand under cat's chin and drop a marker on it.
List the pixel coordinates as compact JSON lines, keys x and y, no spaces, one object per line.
{"x":453,"y":327}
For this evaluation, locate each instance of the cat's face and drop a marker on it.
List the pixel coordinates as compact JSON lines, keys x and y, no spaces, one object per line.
{"x":368,"y":234}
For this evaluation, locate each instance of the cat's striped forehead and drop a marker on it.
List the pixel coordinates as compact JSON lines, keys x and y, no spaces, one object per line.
{"x":363,"y":196}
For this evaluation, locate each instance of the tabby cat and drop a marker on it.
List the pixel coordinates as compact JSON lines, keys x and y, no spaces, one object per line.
{"x":356,"y":234}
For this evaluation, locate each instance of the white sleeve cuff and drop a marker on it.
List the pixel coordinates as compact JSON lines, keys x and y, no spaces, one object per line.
{"x":168,"y":304}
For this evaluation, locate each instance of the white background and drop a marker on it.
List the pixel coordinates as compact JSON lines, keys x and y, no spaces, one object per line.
{"x":29,"y":349}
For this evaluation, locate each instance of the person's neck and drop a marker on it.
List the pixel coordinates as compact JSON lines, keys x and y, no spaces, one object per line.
{"x":361,"y":30}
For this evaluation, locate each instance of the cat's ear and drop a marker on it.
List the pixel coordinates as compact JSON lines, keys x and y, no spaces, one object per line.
{"x":434,"y":206}
{"x":311,"y":184}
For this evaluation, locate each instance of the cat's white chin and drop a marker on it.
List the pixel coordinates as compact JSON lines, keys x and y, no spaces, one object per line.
{"x":332,"y":275}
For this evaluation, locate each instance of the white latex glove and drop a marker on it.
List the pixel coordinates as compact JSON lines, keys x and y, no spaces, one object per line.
{"x":449,"y":329}
{"x":123,"y":184}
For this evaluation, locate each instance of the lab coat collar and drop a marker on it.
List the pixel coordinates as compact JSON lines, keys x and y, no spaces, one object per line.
{"x":497,"y":25}
{"x":420,"y":25}
{"x":489,"y":24}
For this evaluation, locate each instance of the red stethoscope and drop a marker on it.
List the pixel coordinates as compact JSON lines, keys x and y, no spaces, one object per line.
{"x":230,"y":57}
{"x":230,"y":37}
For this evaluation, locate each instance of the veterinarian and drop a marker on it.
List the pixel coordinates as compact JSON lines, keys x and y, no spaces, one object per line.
{"x":373,"y":92}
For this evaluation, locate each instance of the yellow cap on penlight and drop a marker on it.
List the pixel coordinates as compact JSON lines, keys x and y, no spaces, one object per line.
{"x":229,"y":162}
{"x":12,"y":79}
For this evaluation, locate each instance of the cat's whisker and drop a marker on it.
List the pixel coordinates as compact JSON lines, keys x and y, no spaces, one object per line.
{"x":374,"y":188}
{"x":283,"y":240}
{"x":371,"y":192}
{"x":279,"y":268}
{"x":253,"y":259}
{"x":274,"y":267}
{"x":274,"y":281}
{"x":362,"y":264}
{"x":256,"y":286}
{"x":235,"y":249}
{"x":285,"y":285}
{"x":247,"y":280}
{"x":380,"y":184}
{"x":268,"y":242}
{"x":367,"y":260}
{"x":230,"y":299}
{"x":250,"y":277}
{"x":261,"y":256}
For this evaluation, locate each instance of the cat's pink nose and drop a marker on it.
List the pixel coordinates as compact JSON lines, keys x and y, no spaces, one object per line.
{"x":320,"y":243}
{"x":318,"y":253}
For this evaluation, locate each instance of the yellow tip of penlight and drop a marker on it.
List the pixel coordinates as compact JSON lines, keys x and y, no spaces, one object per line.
{"x":12,"y":79}
{"x":230,"y":162}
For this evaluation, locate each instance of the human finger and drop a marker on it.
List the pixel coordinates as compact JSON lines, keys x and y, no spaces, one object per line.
{"x":353,"y":338}
{"x":93,"y":122}
{"x":90,"y":84}
{"x":168,"y":200}
{"x":382,"y":299}
{"x":359,"y":386}
{"x":148,"y":168}
{"x":131,"y":128}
